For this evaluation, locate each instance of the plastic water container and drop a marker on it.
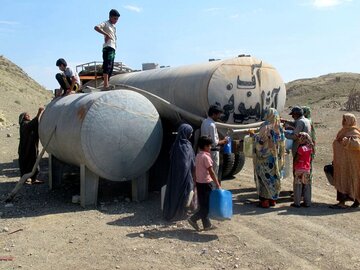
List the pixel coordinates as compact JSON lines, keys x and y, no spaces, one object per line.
{"x":248,"y":146}
{"x":289,"y":142}
{"x":220,"y":206}
{"x":227,"y":146}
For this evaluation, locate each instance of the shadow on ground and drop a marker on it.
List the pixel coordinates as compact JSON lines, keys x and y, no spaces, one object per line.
{"x":245,"y":202}
{"x":187,"y":235}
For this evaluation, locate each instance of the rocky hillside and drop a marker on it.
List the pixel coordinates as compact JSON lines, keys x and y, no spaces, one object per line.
{"x":18,"y":93}
{"x":330,"y":90}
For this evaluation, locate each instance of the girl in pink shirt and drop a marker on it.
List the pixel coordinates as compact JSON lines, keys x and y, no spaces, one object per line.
{"x":204,"y":175}
{"x":302,"y":169}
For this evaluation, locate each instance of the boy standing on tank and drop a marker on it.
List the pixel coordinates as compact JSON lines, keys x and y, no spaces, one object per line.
{"x":204,"y":176}
{"x":108,"y":29}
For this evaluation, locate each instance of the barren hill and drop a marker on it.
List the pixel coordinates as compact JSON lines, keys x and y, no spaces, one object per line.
{"x":330,"y":90}
{"x":18,"y":93}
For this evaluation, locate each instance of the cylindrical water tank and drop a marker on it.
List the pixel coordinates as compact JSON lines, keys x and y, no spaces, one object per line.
{"x":244,"y":87}
{"x":116,"y":134}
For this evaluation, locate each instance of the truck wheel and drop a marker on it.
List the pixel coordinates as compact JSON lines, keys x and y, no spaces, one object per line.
{"x":227,"y":165}
{"x":239,"y":162}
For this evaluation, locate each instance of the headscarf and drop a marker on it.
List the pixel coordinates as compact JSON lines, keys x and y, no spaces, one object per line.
{"x":180,"y":181}
{"x":270,"y":125}
{"x":184,"y":132}
{"x":307,"y":114}
{"x":349,"y":127}
{"x":182,"y":138}
{"x":21,"y":117}
{"x":304,"y":138}
{"x":271,"y":139}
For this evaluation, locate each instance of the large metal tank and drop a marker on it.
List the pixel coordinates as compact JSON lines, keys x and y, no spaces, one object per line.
{"x":115,"y":134}
{"x":244,"y":87}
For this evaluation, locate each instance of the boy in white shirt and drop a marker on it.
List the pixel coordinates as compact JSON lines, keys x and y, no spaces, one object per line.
{"x":108,"y":29}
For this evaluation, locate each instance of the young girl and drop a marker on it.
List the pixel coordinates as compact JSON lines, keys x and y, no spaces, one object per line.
{"x":302,"y":169}
{"x":204,"y":175}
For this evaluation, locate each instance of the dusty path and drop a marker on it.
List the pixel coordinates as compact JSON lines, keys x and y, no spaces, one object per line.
{"x":56,"y":234}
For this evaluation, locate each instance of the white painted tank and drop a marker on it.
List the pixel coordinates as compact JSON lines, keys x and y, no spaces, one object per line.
{"x":116,"y":134}
{"x":243,"y":86}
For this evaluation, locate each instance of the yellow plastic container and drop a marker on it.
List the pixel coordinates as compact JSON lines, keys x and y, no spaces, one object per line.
{"x":248,"y":146}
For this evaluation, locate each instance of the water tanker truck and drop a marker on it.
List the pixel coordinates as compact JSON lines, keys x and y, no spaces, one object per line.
{"x":126,"y":133}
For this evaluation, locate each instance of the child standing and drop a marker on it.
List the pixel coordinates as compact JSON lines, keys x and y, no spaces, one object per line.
{"x":302,"y":169}
{"x":108,"y":29}
{"x":204,"y":176}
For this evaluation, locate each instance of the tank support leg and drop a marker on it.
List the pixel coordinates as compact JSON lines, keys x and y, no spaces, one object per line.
{"x":55,"y":172}
{"x":89,"y":183}
{"x":139,"y":187}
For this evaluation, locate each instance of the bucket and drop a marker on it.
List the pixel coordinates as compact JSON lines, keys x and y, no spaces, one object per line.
{"x":248,"y":146}
{"x":220,"y":206}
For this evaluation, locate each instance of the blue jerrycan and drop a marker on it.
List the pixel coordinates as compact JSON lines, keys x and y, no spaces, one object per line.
{"x":220,"y":206}
{"x":227,"y":146}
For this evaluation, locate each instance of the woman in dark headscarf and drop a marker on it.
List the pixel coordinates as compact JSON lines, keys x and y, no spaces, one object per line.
{"x":29,"y":143}
{"x":180,"y":179}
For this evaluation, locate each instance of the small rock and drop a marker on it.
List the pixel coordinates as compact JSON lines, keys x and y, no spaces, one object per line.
{"x":117,"y":267}
{"x":8,"y":205}
{"x":141,"y":235}
{"x":236,"y":266}
{"x":8,"y":135}
{"x":5,"y":229}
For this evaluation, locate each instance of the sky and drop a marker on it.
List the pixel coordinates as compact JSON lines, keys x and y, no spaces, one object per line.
{"x":300,"y":38}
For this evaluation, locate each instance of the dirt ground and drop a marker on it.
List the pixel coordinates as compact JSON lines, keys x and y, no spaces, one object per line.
{"x":43,"y":229}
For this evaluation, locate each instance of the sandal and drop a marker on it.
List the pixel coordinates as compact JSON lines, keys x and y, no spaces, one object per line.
{"x":265,"y":204}
{"x":295,"y":205}
{"x":272,"y":202}
{"x":356,"y":204}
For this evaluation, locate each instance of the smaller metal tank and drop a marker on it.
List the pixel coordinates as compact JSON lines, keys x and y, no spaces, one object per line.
{"x":115,"y":134}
